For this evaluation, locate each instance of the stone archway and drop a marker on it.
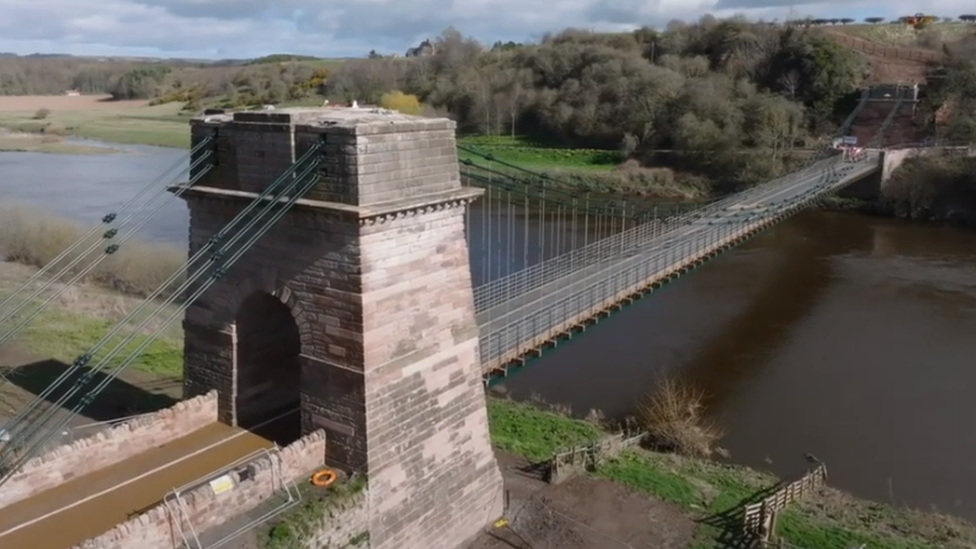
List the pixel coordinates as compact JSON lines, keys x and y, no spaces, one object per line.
{"x":268,"y":377}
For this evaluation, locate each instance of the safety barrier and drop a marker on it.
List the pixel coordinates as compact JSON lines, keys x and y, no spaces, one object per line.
{"x":221,"y":481}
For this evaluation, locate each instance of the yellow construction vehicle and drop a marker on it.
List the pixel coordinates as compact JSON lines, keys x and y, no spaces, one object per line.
{"x":920,"y":18}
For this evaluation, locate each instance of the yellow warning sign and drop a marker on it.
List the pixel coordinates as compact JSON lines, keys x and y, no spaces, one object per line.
{"x":222,"y":484}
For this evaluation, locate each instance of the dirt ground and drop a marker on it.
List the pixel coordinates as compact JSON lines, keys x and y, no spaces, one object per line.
{"x":25,"y":103}
{"x":581,"y":513}
{"x":885,"y":70}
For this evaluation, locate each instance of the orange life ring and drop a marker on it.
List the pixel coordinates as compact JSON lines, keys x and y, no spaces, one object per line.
{"x":323,"y":478}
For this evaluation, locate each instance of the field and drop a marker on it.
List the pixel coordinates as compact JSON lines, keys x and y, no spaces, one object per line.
{"x":524,"y":152}
{"x":135,"y":122}
{"x":59,"y":103}
{"x":126,"y":122}
{"x":902,"y":35}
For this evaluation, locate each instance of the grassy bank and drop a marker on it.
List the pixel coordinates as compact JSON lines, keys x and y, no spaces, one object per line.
{"x":127,"y":122}
{"x":83,"y":313}
{"x":52,"y":144}
{"x":79,"y":317}
{"x":707,"y":490}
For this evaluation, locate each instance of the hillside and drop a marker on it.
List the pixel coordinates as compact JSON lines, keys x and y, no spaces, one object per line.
{"x":930,"y":37}
{"x":899,"y":53}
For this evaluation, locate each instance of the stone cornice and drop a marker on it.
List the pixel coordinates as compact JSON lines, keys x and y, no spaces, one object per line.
{"x":372,"y":214}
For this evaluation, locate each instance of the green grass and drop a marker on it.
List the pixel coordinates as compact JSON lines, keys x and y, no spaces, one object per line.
{"x":63,"y":335}
{"x":159,"y":125}
{"x":167,"y":126}
{"x":832,"y":520}
{"x":524,"y":430}
{"x":291,"y":529}
{"x":526,"y":153}
{"x":80,"y":317}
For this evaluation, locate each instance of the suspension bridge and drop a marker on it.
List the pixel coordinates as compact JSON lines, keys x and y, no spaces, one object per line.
{"x":382,"y":284}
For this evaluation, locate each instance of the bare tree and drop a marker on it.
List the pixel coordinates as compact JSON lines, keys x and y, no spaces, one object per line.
{"x":790,"y":81}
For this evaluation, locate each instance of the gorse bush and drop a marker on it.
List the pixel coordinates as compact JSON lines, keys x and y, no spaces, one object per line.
{"x":33,"y":238}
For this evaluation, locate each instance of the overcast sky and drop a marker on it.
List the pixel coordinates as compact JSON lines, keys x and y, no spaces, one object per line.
{"x":345,"y":28}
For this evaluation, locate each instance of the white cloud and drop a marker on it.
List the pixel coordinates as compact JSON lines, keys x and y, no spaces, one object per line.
{"x":245,"y":28}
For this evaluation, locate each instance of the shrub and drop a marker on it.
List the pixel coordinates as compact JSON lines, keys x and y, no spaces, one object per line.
{"x":41,"y":114}
{"x":673,"y":415}
{"x":30,"y":237}
{"x":54,"y":129}
{"x":401,"y":102}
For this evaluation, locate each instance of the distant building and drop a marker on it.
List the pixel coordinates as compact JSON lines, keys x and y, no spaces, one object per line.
{"x":73,"y":93}
{"x":423,"y":50}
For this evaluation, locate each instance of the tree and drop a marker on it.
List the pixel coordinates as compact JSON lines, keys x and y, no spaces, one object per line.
{"x":873,"y":20}
{"x":276,"y":93}
{"x":790,"y":82}
{"x":846,"y":21}
{"x":401,"y":102}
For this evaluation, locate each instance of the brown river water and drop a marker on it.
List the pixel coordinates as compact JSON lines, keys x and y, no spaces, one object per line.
{"x":852,"y":338}
{"x":848,"y":337}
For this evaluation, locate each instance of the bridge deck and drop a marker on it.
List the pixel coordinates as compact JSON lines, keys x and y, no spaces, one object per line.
{"x":516,"y":326}
{"x":93,"y":504}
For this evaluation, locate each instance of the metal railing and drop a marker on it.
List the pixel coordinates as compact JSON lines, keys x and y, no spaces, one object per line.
{"x":571,"y":291}
{"x":506,"y":288}
{"x":606,"y":250}
{"x":220,"y":480}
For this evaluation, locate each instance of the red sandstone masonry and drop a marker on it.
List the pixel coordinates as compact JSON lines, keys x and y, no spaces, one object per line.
{"x":158,"y":529}
{"x":109,"y":447}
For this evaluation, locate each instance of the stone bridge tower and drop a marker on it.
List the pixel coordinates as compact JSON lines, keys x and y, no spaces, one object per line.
{"x":356,"y":310}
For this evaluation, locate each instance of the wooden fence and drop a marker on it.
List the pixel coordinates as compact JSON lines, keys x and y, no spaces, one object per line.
{"x":587,"y":457}
{"x":758,"y":520}
{"x":890,"y":52}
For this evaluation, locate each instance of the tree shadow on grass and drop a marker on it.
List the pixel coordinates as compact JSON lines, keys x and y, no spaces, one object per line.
{"x":120,"y":398}
{"x":730,"y":522}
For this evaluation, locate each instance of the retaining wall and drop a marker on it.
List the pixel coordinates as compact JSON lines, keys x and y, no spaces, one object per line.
{"x":253,"y":483}
{"x":344,"y":526}
{"x":109,"y":447}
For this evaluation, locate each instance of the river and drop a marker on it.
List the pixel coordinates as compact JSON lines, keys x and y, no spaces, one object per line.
{"x":843,"y":336}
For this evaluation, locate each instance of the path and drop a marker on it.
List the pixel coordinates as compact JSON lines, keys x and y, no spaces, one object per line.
{"x":889,"y":63}
{"x":582,"y":513}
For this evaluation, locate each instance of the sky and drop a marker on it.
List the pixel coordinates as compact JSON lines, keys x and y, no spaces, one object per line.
{"x":216,"y":29}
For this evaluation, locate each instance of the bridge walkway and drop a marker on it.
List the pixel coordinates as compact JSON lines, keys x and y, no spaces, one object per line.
{"x":554,"y":305}
{"x":93,"y":504}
